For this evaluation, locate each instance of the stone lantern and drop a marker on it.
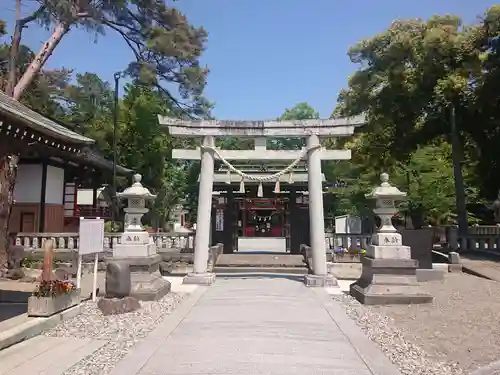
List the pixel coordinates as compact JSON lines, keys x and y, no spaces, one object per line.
{"x":137,"y":248}
{"x":135,"y":240}
{"x":137,"y":196}
{"x":389,"y":272}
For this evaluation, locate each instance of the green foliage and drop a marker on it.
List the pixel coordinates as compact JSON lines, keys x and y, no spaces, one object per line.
{"x":428,"y":180}
{"x":301,"y":111}
{"x":145,"y":147}
{"x":166,"y":48}
{"x":408,"y":77}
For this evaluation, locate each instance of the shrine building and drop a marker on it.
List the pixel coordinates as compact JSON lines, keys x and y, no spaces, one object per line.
{"x":271,"y":217}
{"x":54,"y":163}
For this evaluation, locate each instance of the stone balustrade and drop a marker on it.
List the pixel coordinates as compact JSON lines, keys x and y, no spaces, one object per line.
{"x":478,"y":238}
{"x":69,"y":241}
{"x":335,"y":240}
{"x":481,"y":242}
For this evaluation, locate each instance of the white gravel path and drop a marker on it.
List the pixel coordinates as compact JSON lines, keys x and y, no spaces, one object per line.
{"x":122,"y":331}
{"x":410,"y":359}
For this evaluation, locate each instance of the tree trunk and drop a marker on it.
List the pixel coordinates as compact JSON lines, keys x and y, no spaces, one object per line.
{"x":8,"y":160}
{"x":40,"y":59}
{"x":8,"y":174}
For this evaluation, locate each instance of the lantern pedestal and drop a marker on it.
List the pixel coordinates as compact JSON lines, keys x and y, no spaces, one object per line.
{"x":389,"y":274}
{"x":137,"y":248}
{"x":388,"y":282}
{"x":147,"y":284}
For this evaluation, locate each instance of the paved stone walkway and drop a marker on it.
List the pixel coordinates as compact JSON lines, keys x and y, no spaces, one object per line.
{"x":257,"y":326}
{"x":272,"y":326}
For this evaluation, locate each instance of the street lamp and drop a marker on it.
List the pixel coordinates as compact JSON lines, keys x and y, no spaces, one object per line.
{"x":114,"y":202}
{"x":459,"y":178}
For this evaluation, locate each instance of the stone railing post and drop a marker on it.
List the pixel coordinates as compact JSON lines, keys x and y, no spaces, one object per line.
{"x":452,"y":237}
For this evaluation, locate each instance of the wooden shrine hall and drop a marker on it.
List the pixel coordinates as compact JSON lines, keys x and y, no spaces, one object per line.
{"x":246,"y":219}
{"x":54,"y":162}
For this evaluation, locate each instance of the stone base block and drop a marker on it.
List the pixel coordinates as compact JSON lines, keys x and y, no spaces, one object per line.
{"x":199,"y":278}
{"x":424,"y":275}
{"x":391,"y":239}
{"x":455,"y":268}
{"x":389,"y":252}
{"x":388,"y":282}
{"x":322,"y":281}
{"x":147,"y":284}
{"x":115,"y":306}
{"x":389,"y":294}
{"x":132,"y":250}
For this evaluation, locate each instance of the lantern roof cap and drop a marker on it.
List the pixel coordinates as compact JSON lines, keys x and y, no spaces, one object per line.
{"x":136,"y":190}
{"x":386,"y":190}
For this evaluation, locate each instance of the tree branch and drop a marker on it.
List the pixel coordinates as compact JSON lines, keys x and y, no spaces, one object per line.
{"x":125,"y":38}
{"x":36,"y":65}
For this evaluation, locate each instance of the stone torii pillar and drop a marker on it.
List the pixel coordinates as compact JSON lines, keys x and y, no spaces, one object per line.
{"x":203,"y":220}
{"x":320,"y":275}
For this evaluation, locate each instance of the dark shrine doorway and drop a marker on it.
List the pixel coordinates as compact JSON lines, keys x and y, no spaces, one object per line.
{"x":274,"y":216}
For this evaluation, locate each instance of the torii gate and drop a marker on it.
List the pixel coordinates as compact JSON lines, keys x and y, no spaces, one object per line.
{"x":313,"y":130}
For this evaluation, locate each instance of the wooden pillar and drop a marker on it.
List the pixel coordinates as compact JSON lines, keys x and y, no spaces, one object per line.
{"x":213,"y":226}
{"x":43,"y":193}
{"x":229,"y":225}
{"x":294,"y":228}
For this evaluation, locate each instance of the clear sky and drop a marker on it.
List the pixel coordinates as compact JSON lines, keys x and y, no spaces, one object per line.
{"x":264,"y":55}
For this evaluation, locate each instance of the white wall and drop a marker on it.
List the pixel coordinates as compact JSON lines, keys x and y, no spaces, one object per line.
{"x":85,"y":196}
{"x":28,"y":184}
{"x":55,"y":185}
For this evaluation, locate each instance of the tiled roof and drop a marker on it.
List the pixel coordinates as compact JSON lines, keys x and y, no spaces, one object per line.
{"x":97,"y":160}
{"x":35,"y":121}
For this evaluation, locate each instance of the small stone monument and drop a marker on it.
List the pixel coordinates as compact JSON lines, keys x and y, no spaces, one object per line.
{"x":389,"y":273}
{"x":137,"y":248}
{"x":15,"y":255}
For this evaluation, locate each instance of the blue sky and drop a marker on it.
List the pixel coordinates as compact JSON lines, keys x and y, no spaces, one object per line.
{"x":264,"y":55}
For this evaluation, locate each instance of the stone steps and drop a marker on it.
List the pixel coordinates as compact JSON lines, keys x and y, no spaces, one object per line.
{"x":256,"y":270}
{"x":260,"y":264}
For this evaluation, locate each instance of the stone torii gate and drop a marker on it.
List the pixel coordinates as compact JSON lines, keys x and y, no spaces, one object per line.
{"x":313,"y":130}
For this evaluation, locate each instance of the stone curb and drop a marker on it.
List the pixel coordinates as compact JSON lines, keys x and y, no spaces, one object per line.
{"x":373,"y":357}
{"x":34,"y":327}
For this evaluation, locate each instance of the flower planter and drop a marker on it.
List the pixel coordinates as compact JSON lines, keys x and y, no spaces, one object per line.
{"x":346,"y":258}
{"x":47,"y":306}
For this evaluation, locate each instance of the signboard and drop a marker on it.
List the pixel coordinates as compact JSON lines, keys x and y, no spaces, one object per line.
{"x":91,"y":239}
{"x":219,"y":220}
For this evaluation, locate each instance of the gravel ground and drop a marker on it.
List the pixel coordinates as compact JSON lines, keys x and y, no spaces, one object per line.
{"x":122,"y":331}
{"x":454,"y":335}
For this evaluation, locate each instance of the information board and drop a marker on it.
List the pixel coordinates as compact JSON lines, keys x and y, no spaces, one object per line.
{"x":91,"y":239}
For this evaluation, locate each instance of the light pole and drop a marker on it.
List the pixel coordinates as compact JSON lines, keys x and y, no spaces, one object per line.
{"x":459,"y":178}
{"x":114,"y":202}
